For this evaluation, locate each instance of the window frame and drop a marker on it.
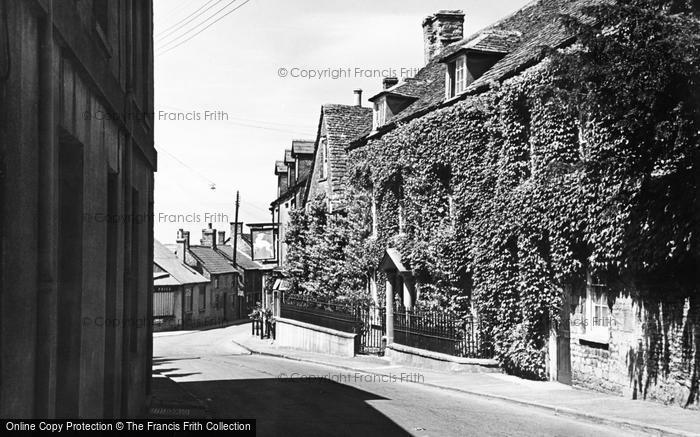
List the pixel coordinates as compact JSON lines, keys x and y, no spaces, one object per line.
{"x":188,"y":300}
{"x":324,"y":158}
{"x":460,"y":74}
{"x":379,"y":113}
{"x":456,"y":75}
{"x":596,"y":328}
{"x":202,"y":298}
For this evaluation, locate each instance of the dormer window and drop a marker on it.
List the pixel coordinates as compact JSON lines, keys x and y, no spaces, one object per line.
{"x":456,"y":79}
{"x":388,"y":103}
{"x":472,"y":60}
{"x":458,"y":75}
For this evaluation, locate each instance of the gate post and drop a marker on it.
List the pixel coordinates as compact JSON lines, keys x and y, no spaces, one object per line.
{"x":389,"y":308}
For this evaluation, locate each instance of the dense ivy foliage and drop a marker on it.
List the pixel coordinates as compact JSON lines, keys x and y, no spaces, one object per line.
{"x":325,"y":259}
{"x":587,"y":162}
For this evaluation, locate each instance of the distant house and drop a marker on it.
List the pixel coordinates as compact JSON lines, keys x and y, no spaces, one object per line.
{"x":209,"y":262}
{"x":292,"y":179}
{"x":338,"y":126}
{"x":255,"y":274}
{"x":181,"y":296}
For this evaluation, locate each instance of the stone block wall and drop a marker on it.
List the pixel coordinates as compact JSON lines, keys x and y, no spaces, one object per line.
{"x":653,"y":352}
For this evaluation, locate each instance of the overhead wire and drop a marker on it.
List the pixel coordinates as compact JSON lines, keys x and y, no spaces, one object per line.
{"x":207,"y":27}
{"x":182,"y":23}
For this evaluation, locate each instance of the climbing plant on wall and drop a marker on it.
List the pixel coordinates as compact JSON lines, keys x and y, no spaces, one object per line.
{"x":587,"y":161}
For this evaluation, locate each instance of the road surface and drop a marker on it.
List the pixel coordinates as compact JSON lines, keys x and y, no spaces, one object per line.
{"x":290,"y":398}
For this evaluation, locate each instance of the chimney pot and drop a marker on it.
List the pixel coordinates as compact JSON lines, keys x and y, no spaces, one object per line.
{"x":358,"y":97}
{"x":208,"y":237}
{"x":222,"y":238}
{"x":440,"y":30}
{"x":183,"y":244}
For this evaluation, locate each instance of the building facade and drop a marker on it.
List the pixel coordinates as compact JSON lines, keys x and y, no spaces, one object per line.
{"x":254,"y":274}
{"x":466,"y":111}
{"x":207,"y":260}
{"x":338,"y":126}
{"x":76,"y":145}
{"x":292,"y":178}
{"x":182,"y":297}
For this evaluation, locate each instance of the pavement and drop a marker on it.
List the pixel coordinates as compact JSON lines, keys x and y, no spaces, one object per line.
{"x":594,"y":407}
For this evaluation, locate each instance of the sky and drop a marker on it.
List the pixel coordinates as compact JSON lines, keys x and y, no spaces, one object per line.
{"x":231,"y":97}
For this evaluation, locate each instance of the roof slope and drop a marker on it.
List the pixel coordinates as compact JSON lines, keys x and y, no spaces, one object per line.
{"x":538,"y":25}
{"x":343,"y":124}
{"x":211,"y":260}
{"x":242,"y":259}
{"x":303,"y":147}
{"x":178,"y":273}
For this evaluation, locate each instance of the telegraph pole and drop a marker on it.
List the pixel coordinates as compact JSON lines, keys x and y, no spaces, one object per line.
{"x":235,"y":252}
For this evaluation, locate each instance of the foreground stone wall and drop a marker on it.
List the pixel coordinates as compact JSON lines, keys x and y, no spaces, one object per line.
{"x":652,"y":353}
{"x":312,"y":338}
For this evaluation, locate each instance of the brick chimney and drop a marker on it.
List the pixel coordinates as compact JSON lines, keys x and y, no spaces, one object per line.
{"x":221,"y":240}
{"x":389,"y":82}
{"x":358,"y":97}
{"x":183,"y":244}
{"x":441,"y":29}
{"x":208,"y":237}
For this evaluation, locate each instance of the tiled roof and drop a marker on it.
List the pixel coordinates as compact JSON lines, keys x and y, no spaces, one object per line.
{"x":211,"y":260}
{"x":522,"y":34}
{"x":177,"y":273}
{"x":291,"y":192}
{"x":280,"y":167}
{"x":343,"y":124}
{"x":288,"y":158}
{"x":303,"y":147}
{"x":498,"y":41}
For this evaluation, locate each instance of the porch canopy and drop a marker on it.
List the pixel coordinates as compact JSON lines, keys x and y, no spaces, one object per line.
{"x":399,"y":280}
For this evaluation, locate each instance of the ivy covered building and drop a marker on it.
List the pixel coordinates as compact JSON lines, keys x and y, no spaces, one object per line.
{"x":533,"y":175}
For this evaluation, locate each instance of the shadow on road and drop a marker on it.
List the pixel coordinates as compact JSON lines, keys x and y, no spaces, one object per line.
{"x":309,"y":406}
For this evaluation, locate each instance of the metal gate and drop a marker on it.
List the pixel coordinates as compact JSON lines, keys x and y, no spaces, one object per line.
{"x":373,"y":329}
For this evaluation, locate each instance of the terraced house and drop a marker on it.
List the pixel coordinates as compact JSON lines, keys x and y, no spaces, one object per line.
{"x":222,"y":302}
{"x":492,"y":196}
{"x":292,"y":179}
{"x":337,"y":126}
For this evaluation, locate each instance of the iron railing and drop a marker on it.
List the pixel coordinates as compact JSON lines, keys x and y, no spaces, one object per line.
{"x":442,"y":332}
{"x":339,"y":316}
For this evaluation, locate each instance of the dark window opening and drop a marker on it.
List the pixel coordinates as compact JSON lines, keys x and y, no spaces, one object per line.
{"x":70,"y":277}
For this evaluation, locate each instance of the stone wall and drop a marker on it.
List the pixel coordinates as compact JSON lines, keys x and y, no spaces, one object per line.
{"x":652,"y":353}
{"x":312,"y":338}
